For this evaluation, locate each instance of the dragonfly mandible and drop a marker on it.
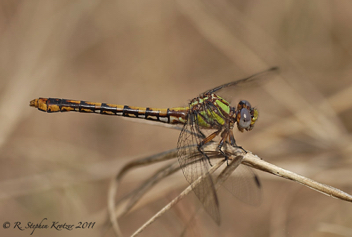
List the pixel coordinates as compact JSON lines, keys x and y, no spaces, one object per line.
{"x":207,"y":112}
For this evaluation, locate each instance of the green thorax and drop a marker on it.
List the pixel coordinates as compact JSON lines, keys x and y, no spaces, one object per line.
{"x":211,"y":110}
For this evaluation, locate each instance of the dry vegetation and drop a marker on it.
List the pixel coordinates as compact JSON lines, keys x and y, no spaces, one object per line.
{"x":161,"y":54}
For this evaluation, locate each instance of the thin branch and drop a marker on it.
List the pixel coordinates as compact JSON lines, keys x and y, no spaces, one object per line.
{"x":125,"y":204}
{"x":115,"y":183}
{"x":178,"y":198}
{"x":120,"y":208}
{"x":256,"y":162}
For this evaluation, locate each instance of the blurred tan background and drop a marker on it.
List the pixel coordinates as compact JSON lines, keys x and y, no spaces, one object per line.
{"x":162,"y":54}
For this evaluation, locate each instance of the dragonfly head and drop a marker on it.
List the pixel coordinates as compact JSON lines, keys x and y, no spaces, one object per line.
{"x":246,"y":116}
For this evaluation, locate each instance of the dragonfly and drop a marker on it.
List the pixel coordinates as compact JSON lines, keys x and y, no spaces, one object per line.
{"x":207,"y":116}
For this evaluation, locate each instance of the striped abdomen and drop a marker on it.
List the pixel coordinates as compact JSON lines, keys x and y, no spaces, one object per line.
{"x":170,"y":115}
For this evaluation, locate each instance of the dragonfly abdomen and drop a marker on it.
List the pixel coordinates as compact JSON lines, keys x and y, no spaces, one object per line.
{"x":170,"y":115}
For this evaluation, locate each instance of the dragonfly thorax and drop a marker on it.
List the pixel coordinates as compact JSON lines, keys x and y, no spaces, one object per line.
{"x":210,"y":111}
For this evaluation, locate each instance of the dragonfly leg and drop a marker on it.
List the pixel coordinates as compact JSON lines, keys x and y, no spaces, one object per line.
{"x":205,"y":141}
{"x":221,"y":143}
{"x":233,"y":142}
{"x":203,"y":153}
{"x":202,"y":134}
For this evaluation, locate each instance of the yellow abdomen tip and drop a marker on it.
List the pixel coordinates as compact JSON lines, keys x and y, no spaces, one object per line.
{"x":34,"y":103}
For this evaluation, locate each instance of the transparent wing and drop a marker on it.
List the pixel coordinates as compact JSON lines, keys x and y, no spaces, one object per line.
{"x":228,"y":90}
{"x":244,"y":184}
{"x":195,"y":165}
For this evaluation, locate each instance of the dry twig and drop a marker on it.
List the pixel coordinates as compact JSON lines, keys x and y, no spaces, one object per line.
{"x":125,"y":204}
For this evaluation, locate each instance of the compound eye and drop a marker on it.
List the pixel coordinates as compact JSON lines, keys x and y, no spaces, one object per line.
{"x":245,"y":119}
{"x":245,"y":103}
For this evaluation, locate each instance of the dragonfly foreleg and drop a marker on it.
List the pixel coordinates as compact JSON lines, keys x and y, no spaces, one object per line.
{"x":233,"y":142}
